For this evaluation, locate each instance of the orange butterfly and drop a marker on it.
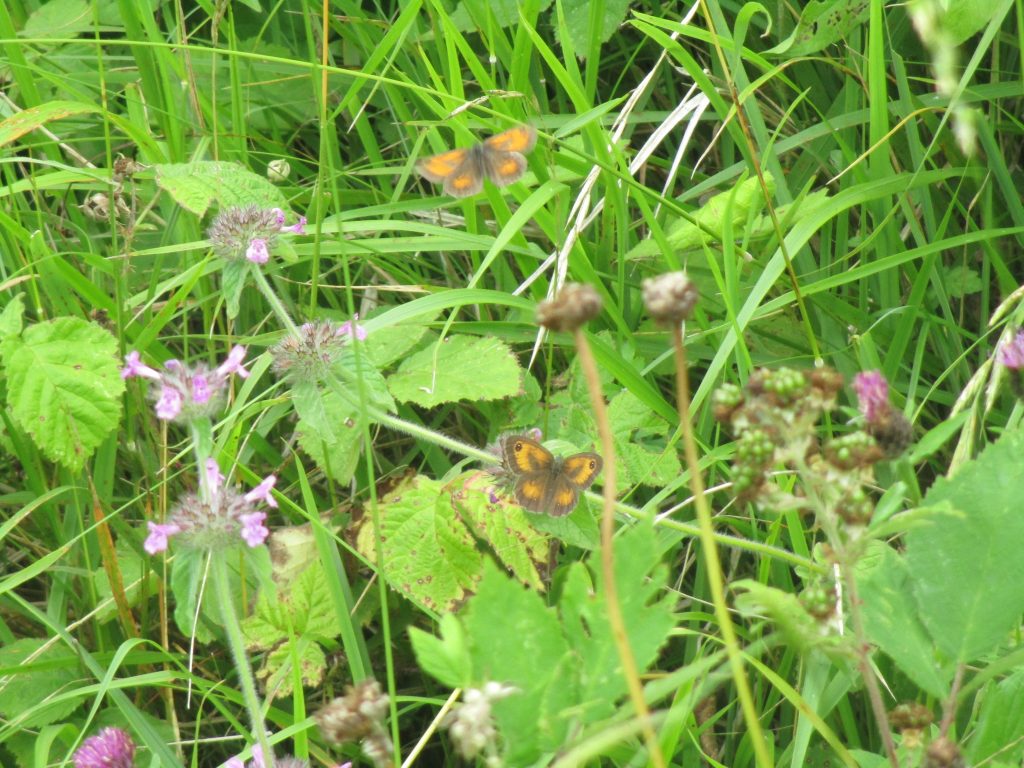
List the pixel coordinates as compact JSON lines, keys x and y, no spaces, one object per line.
{"x":499,"y":158}
{"x":544,"y":483}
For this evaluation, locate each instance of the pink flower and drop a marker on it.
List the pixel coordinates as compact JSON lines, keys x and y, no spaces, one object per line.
{"x":352,"y":328}
{"x":262,"y":492}
{"x":1011,"y":353}
{"x":169,"y":405}
{"x":158,"y":535}
{"x":135,"y":367}
{"x":110,"y":748}
{"x":254,"y":532}
{"x":234,"y":364}
{"x":200,"y":389}
{"x":258,"y":252}
{"x":213,"y":476}
{"x":299,"y":227}
{"x":873,"y":395}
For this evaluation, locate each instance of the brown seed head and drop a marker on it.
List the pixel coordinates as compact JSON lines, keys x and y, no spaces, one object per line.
{"x":574,"y":305}
{"x":670,"y":298}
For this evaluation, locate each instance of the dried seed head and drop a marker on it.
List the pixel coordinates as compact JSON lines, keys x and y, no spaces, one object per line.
{"x":574,"y":305}
{"x":355,"y":715}
{"x":670,"y":298}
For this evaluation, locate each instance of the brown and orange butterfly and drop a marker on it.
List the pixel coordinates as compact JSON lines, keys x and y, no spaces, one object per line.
{"x":544,"y":483}
{"x":499,"y":158}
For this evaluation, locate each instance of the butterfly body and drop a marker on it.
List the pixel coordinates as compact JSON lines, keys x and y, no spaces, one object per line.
{"x":501,"y":158}
{"x":544,"y":483}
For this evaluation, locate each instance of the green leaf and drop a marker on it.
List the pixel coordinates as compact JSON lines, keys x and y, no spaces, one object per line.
{"x":64,"y":387}
{"x":734,"y":205}
{"x":577,"y":529}
{"x":12,"y":317}
{"x":188,"y":580}
{"x":647,"y":614}
{"x":998,"y":732}
{"x":503,"y":524}
{"x":965,"y":566}
{"x":328,"y":430}
{"x":26,"y":121}
{"x":890,"y":618}
{"x":388,"y":344}
{"x":361,"y":378}
{"x":822,"y":23}
{"x":275,"y":673}
{"x":579,"y":22}
{"x":517,"y":640}
{"x":58,"y":19}
{"x":466,"y":368}
{"x":964,"y":18}
{"x":428,"y":554}
{"x":475,"y":14}
{"x":136,"y":575}
{"x":199,"y":184}
{"x":801,"y":630}
{"x":233,"y":277}
{"x":447,"y":657}
{"x":29,"y":683}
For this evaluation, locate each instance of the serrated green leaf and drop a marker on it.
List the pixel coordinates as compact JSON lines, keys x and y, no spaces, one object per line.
{"x":502,"y":524}
{"x":467,"y":368}
{"x":965,"y":566}
{"x":361,"y":378}
{"x":516,"y":640}
{"x":17,"y":125}
{"x":304,"y":608}
{"x":640,"y":466}
{"x":64,"y":387}
{"x":577,"y":529}
{"x":12,"y":317}
{"x":447,"y":657}
{"x":29,"y":683}
{"x":328,"y":430}
{"x":58,"y":19}
{"x":275,"y":673}
{"x":998,"y":730}
{"x":579,"y":24}
{"x":386,"y":345}
{"x":890,"y":618}
{"x":428,"y":554}
{"x":647,"y":614}
{"x":822,"y":22}
{"x":199,"y":184}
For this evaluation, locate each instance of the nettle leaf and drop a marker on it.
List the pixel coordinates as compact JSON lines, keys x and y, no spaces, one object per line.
{"x":891,"y":620}
{"x":199,"y":184}
{"x":579,"y":23}
{"x":30,"y":683}
{"x":822,"y":22}
{"x":965,"y":566}
{"x":428,"y":554}
{"x":502,"y":524}
{"x":328,"y":430}
{"x":292,"y":622}
{"x":515,"y":639}
{"x":465,"y":368}
{"x":736,"y":205}
{"x":647,"y":613}
{"x":64,"y":387}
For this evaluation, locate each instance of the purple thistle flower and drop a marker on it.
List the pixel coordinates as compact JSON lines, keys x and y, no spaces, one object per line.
{"x":873,"y":395}
{"x":188,"y":392}
{"x":1011,"y":353}
{"x":110,"y":748}
{"x":310,"y":355}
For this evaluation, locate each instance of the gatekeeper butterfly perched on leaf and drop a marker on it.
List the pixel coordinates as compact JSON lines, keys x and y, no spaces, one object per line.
{"x":499,"y":158}
{"x":544,"y":483}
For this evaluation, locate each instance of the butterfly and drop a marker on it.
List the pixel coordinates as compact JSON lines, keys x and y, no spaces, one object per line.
{"x":544,"y":483}
{"x":499,"y":158}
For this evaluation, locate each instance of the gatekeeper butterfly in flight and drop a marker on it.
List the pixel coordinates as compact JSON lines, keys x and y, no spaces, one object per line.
{"x":544,"y":483}
{"x":499,"y":158}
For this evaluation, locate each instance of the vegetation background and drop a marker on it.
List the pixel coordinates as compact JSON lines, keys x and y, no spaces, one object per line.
{"x":841,"y":181}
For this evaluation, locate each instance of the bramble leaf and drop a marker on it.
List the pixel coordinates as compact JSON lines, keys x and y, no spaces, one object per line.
{"x":201,"y":183}
{"x":64,"y":387}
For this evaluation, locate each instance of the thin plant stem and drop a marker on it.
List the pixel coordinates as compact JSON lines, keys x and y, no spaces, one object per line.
{"x":716,"y":580}
{"x":233,"y":633}
{"x":275,"y":303}
{"x":870,"y":681}
{"x":615,"y":619}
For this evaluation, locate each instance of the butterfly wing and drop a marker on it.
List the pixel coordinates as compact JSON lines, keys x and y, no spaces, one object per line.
{"x":504,"y":168}
{"x":519,"y":139}
{"x":468,"y":178}
{"x":582,"y":469}
{"x":562,"y":495}
{"x":440,"y":167}
{"x":525,"y":456}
